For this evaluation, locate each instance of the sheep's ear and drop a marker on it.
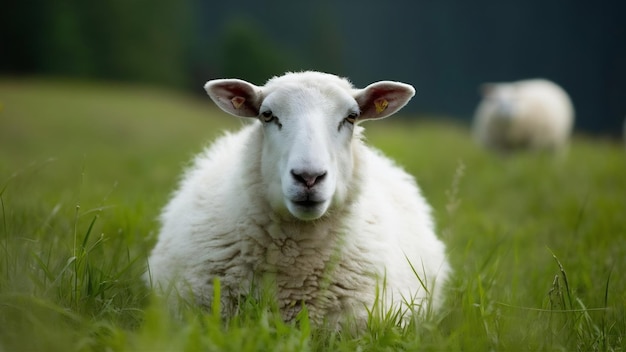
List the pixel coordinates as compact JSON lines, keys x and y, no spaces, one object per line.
{"x":235,"y":96}
{"x":382,"y":99}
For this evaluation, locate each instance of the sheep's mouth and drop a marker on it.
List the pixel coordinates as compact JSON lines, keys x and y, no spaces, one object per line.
{"x":307,"y":203}
{"x":307,"y":209}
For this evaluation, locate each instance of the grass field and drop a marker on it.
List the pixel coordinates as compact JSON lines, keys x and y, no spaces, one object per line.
{"x":538,"y":245}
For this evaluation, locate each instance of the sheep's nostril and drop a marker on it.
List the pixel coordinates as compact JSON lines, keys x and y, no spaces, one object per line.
{"x":308,"y":178}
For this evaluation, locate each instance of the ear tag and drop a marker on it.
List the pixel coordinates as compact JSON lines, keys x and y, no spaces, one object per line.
{"x":381,"y":104}
{"x":237,"y":102}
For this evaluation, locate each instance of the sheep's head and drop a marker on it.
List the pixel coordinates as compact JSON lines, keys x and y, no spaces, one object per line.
{"x":502,"y":99}
{"x":308,"y":123}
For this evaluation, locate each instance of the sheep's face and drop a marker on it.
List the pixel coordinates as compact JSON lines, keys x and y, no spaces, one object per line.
{"x":502,"y":99}
{"x":307,"y":159}
{"x":308,"y":120}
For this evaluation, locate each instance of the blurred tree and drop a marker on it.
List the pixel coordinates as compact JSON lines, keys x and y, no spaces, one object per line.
{"x":246,"y":52}
{"x":20,"y":45}
{"x":139,"y":40}
{"x":67,"y":48}
{"x":327,"y":45}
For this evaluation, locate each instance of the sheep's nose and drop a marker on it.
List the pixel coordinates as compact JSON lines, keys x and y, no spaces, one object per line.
{"x":308,"y":178}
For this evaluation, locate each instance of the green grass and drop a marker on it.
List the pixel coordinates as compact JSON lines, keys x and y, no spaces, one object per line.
{"x":538,"y":245}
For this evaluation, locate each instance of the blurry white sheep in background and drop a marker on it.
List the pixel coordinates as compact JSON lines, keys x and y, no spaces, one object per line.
{"x":531,"y":114}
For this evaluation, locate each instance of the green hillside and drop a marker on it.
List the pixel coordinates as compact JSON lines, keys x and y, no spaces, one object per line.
{"x":538,"y":244}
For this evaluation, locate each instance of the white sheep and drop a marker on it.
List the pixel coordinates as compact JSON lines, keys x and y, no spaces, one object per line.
{"x":296,"y":197}
{"x":530,"y":114}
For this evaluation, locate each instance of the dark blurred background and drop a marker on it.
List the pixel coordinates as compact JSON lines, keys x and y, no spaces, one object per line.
{"x":444,"y":48}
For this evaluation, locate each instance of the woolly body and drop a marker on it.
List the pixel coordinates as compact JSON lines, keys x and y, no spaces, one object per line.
{"x":224,"y":222}
{"x":528,"y":114}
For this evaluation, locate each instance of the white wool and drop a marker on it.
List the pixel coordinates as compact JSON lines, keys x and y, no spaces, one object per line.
{"x":528,"y":114}
{"x":227,"y":219}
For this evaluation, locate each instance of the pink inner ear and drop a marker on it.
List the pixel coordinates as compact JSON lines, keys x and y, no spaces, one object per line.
{"x":382,"y":99}
{"x":237,"y":102}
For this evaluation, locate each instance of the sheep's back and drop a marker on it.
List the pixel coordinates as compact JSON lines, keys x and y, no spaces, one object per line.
{"x":548,"y":109}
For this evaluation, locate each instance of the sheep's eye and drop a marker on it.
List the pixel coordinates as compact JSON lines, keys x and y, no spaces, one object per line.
{"x":267,"y":116}
{"x":351,"y":118}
